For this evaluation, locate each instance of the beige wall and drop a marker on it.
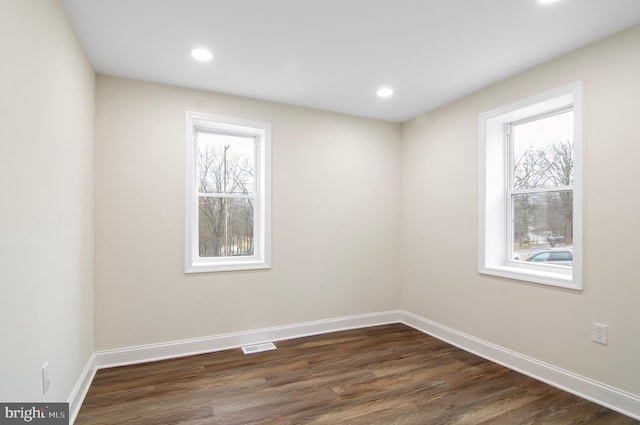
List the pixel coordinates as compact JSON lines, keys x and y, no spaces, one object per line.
{"x":439,"y":222}
{"x":47,"y":102}
{"x":335,"y":218}
{"x":337,"y":212}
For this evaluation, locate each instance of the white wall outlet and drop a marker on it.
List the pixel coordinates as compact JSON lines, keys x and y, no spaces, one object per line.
{"x":600,"y":333}
{"x":45,"y":378}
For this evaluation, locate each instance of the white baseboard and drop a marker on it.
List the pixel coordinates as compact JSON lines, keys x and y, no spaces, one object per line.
{"x":610,"y":397}
{"x":605,"y":395}
{"x":81,"y":388}
{"x":188,"y":347}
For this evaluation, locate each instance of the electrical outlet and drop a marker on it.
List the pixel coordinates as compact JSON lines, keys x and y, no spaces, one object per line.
{"x":45,"y":378}
{"x":600,"y":333}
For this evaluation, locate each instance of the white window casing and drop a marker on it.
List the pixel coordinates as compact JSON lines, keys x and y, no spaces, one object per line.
{"x":259,"y":193}
{"x":495,"y":247}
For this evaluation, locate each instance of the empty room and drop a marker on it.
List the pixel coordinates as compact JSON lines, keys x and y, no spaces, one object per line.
{"x":319,"y":212}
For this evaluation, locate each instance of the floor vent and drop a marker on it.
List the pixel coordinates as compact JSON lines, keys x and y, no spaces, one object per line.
{"x":258,"y":348}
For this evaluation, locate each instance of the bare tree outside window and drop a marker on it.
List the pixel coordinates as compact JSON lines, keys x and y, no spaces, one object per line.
{"x":226,"y":194}
{"x":542,"y":181}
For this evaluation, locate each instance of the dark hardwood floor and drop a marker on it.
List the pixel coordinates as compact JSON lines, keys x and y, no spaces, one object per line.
{"x":389,"y":374}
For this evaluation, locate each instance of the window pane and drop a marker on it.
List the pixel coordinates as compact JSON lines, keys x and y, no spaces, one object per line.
{"x":543,"y":152}
{"x":225,"y":226}
{"x":225,"y":164}
{"x":542,"y":220}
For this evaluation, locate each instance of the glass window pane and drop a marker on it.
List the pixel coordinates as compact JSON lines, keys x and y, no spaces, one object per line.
{"x":225,"y":227}
{"x":225,"y":164}
{"x":543,"y":152}
{"x":542,"y":220}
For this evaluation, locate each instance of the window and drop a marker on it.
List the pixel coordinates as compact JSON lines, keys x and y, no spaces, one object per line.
{"x":227,"y":194}
{"x":530,"y":182}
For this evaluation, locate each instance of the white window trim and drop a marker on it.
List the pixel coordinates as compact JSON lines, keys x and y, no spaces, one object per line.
{"x":493,"y":238}
{"x":262,"y":239}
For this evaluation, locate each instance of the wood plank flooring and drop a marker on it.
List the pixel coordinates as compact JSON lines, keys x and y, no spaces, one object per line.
{"x":388,"y":374}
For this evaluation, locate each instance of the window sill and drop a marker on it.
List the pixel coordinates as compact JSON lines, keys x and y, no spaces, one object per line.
{"x":559,"y":278}
{"x":226,"y":266}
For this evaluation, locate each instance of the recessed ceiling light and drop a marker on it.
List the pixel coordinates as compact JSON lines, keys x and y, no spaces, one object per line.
{"x":202,"y":55}
{"x":547,"y":1}
{"x":385,"y":92}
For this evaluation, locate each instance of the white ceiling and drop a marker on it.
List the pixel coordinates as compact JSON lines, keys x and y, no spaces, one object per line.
{"x":334,"y":54}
